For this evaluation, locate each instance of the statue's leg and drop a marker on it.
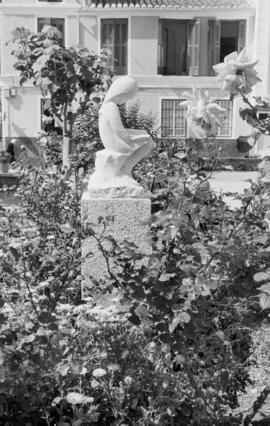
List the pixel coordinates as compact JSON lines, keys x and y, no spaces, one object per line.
{"x":108,"y":167}
{"x":136,"y":156}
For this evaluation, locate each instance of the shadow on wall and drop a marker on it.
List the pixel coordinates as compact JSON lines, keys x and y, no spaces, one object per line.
{"x":29,"y":143}
{"x":91,"y":30}
{"x":17,"y":102}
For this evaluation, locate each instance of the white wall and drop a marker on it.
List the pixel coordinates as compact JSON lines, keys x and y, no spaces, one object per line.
{"x":22,"y":113}
{"x":7,"y":24}
{"x":150,"y":101}
{"x":261,"y":45}
{"x":143,"y":34}
{"x":88,"y":32}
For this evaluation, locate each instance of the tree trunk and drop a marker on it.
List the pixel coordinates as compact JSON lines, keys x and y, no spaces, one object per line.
{"x":66,"y":150}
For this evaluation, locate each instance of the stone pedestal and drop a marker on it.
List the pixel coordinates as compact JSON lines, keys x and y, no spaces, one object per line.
{"x":109,"y":216}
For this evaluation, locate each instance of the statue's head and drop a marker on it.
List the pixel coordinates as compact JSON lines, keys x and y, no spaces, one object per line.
{"x":121,"y":90}
{"x":264,"y":167}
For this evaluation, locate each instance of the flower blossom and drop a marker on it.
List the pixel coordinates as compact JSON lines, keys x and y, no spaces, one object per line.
{"x":75,"y":398}
{"x":99,"y":372}
{"x":237,"y":74}
{"x":203,"y":112}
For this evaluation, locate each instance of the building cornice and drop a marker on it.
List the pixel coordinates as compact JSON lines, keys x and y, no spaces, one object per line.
{"x":18,"y":9}
{"x":183,"y":5}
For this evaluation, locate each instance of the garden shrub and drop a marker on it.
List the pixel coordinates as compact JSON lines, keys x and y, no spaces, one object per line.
{"x":176,"y":350}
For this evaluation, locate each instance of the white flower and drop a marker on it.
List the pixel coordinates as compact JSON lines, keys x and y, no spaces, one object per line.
{"x":99,"y":372}
{"x":237,"y":74}
{"x":128,"y":380}
{"x":113,"y":367}
{"x":203,"y":112}
{"x":78,"y":398}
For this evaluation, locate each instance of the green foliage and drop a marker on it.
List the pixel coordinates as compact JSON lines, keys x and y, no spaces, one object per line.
{"x":5,"y":157}
{"x":133,"y":118}
{"x":67,"y":76}
{"x":86,"y":139}
{"x":196,"y":292}
{"x":56,"y":70}
{"x":172,"y":350}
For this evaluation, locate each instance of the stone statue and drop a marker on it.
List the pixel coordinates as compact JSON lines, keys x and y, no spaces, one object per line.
{"x":123,"y":147}
{"x":264,"y":170}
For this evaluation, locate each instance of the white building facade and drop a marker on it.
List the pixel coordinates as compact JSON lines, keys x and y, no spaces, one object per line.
{"x":169,"y":46}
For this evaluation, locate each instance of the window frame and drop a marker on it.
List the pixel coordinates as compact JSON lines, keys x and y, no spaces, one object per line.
{"x":174,"y":135}
{"x":219,"y":131}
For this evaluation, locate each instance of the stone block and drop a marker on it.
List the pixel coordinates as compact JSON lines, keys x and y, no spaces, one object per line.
{"x":119,"y":218}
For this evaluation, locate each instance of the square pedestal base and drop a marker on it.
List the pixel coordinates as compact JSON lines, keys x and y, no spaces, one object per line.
{"x":124,"y":219}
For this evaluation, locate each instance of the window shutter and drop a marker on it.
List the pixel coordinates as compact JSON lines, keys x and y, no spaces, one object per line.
{"x":217,"y":33}
{"x":241,"y":35}
{"x":107,"y":39}
{"x":193,"y":47}
{"x":120,"y":47}
{"x":162,"y":47}
{"x":214,"y":44}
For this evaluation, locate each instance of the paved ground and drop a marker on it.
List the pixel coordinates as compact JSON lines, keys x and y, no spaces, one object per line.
{"x":233,"y":182}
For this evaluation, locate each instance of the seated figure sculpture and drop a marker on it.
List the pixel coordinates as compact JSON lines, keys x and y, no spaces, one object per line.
{"x":123,"y":147}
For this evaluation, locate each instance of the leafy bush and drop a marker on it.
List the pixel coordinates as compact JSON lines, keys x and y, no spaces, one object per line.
{"x":174,"y":347}
{"x":133,"y":118}
{"x":86,"y":139}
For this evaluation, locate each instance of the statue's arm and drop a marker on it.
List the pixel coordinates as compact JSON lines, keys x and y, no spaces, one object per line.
{"x":126,"y":139}
{"x":111,"y":111}
{"x":139,"y":136}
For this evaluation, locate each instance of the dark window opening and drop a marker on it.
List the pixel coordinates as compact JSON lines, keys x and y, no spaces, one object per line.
{"x":114,"y":40}
{"x":48,"y":123}
{"x":232,"y":37}
{"x":192,"y":47}
{"x":172,"y":46}
{"x":58,"y":23}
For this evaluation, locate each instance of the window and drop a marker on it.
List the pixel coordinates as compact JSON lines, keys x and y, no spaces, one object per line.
{"x":59,"y":23}
{"x":114,"y":37}
{"x":226,"y":129}
{"x":172,"y":47}
{"x":232,"y":37}
{"x":192,"y":47}
{"x":173,"y":118}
